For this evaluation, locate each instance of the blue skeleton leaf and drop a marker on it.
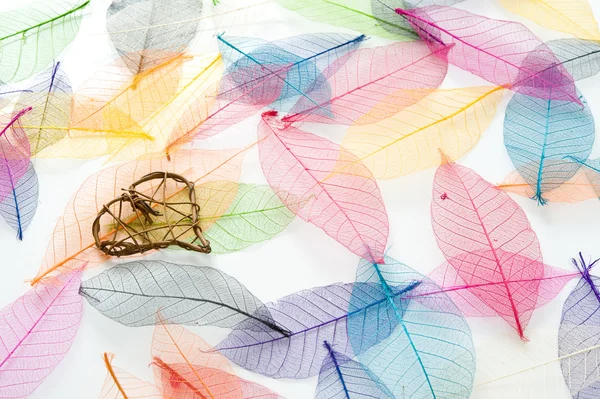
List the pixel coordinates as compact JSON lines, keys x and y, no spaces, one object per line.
{"x":540,"y":134}
{"x":18,"y":208}
{"x":429,"y":353}
{"x":298,"y":62}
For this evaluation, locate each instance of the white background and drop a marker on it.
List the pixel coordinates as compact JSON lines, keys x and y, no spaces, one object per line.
{"x":303,"y":256}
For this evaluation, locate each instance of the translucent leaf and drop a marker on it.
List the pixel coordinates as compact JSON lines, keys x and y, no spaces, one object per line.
{"x":18,"y":208}
{"x":581,"y":58}
{"x":571,"y":16}
{"x":119,"y":384}
{"x":33,"y":36}
{"x":351,"y":14}
{"x":578,"y":188}
{"x":343,"y":378}
{"x":430,"y":353}
{"x":579,"y":335}
{"x":261,"y":73}
{"x":337,"y":194}
{"x":312,"y":318}
{"x":129,"y":116}
{"x":451,"y":120}
{"x":385,"y":12}
{"x":18,"y":180}
{"x":36,"y":332}
{"x":502,"y":52}
{"x":132,"y":293}
{"x":486,"y":237}
{"x":186,"y":367}
{"x":371,"y":84}
{"x":182,"y":358}
{"x":135,"y":26}
{"x":112,"y":88}
{"x":298,"y":61}
{"x":255,"y":215}
{"x":472,"y":300}
{"x":540,"y":134}
{"x":591,"y":168}
{"x":50,"y":97}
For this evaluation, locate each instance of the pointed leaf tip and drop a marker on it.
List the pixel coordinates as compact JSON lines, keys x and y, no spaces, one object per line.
{"x":444,"y":158}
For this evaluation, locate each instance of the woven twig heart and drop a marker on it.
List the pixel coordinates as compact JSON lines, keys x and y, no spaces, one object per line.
{"x":157,"y":211}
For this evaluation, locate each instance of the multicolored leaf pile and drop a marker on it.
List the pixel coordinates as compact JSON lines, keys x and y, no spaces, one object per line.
{"x":280,"y":128}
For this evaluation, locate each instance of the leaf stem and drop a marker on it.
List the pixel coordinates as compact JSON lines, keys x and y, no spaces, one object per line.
{"x":111,"y":371}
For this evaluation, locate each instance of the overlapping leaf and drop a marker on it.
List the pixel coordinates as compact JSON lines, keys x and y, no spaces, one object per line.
{"x":502,"y":52}
{"x":183,"y":363}
{"x":185,"y":367}
{"x":213,"y":198}
{"x":119,"y":384}
{"x":36,"y":333}
{"x":486,"y":237}
{"x":298,"y":61}
{"x":113,"y":89}
{"x":255,"y":215}
{"x":224,"y":113}
{"x":579,"y":333}
{"x":189,"y":108}
{"x":344,"y":378}
{"x":581,"y":58}
{"x":129,"y":116}
{"x":31,"y":37}
{"x":591,"y":168}
{"x":352,"y":14}
{"x":429,"y":352}
{"x":18,"y":208}
{"x":261,"y":73}
{"x":72,"y":240}
{"x":232,"y":216}
{"x":451,"y":120}
{"x":578,"y":188}
{"x":372,"y":84}
{"x":311,"y":318}
{"x":470,"y":298}
{"x":571,"y":16}
{"x":540,"y":134}
{"x":137,"y":26}
{"x":50,"y":98}
{"x":385,"y":12}
{"x":133,"y":293}
{"x":18,"y":180}
{"x":337,"y":193}
{"x":111,"y":111}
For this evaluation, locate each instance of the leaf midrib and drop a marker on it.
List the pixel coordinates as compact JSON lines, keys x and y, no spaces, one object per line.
{"x":49,"y":21}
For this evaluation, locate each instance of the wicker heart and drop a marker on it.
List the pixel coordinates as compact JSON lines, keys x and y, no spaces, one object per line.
{"x":157,"y":211}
